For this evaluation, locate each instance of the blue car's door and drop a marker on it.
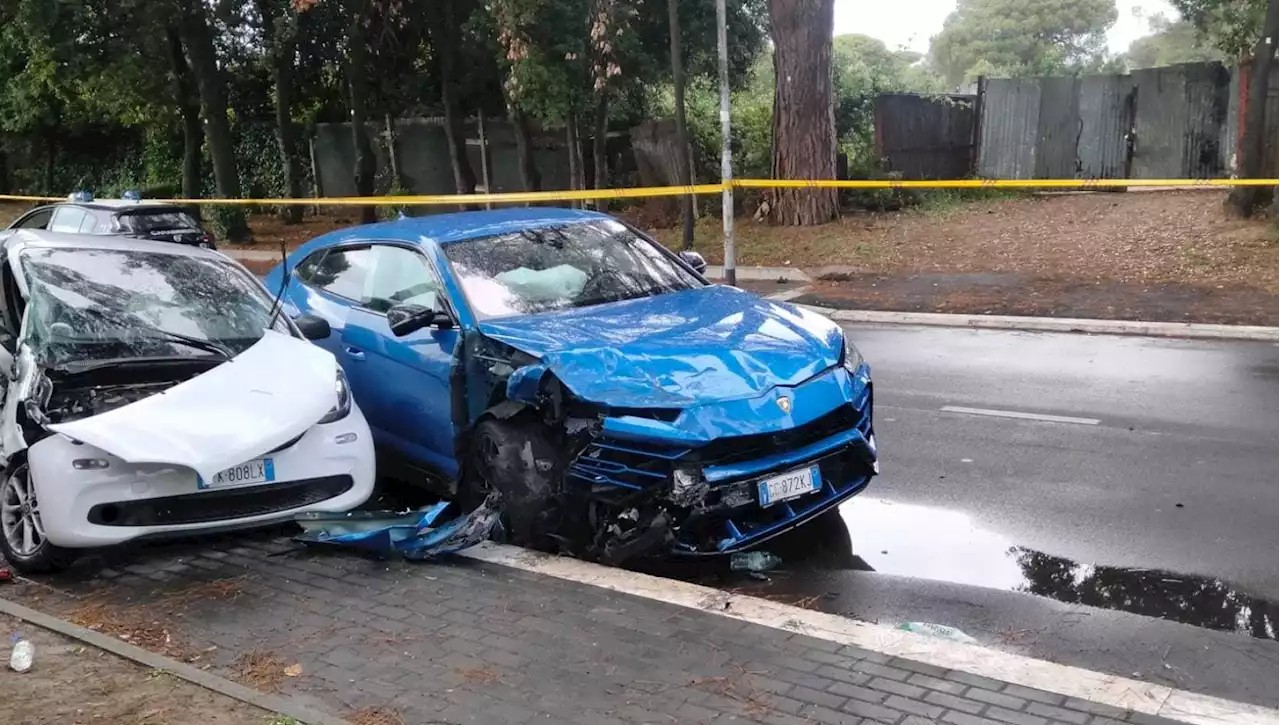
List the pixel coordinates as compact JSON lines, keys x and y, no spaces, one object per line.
{"x":404,"y":379}
{"x":328,"y":284}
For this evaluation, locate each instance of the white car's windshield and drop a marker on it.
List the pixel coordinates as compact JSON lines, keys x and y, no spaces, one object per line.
{"x":553,"y":268}
{"x":90,"y":305}
{"x":157,"y":220}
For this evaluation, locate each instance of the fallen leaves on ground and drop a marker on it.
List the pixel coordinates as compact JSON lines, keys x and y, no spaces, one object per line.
{"x":375,"y":716}
{"x":135,"y":625}
{"x":260,"y":669}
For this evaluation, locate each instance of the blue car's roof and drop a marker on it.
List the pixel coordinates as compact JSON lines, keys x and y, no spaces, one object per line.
{"x":455,"y":227}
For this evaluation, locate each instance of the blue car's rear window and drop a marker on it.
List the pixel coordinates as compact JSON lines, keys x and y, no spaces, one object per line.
{"x":558,"y":267}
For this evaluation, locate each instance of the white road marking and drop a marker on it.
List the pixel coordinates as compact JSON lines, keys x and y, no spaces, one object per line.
{"x":1099,"y":687}
{"x":1019,"y":415}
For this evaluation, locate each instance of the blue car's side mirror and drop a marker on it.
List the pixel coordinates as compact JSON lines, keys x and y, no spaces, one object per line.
{"x":404,"y":319}
{"x":695,"y":260}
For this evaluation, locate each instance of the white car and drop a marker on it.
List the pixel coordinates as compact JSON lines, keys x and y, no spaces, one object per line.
{"x":151,"y":391}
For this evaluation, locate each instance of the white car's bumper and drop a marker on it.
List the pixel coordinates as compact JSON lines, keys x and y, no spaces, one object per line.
{"x":330,"y":468}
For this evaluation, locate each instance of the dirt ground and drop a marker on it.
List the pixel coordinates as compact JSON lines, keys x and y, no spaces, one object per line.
{"x":73,"y":684}
{"x":1153,"y":255}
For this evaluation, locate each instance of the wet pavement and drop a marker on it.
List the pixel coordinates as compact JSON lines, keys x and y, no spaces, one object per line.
{"x":920,"y":542}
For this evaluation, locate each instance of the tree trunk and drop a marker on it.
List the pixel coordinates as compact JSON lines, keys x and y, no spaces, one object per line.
{"x":50,"y":161}
{"x":184,"y":96}
{"x":446,"y":48}
{"x":358,"y":86}
{"x":198,"y":40}
{"x":1243,"y":201}
{"x":278,"y":41}
{"x":599,"y":149}
{"x":529,"y":176}
{"x":682,"y":132}
{"x":571,"y":146}
{"x":580,"y":182}
{"x":804,"y":130}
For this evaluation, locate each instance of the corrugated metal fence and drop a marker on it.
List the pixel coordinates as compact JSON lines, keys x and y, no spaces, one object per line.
{"x":926,"y":137}
{"x":1178,"y":122}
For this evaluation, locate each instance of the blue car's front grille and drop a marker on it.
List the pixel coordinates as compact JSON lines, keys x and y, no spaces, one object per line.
{"x":625,"y":464}
{"x":637,"y":466}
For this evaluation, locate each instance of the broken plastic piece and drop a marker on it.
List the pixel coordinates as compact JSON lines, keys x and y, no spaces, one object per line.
{"x":23,"y":653}
{"x":755,"y":562}
{"x":460,"y":533}
{"x":410,"y":534}
{"x":5,"y":574}
{"x":938,"y":630}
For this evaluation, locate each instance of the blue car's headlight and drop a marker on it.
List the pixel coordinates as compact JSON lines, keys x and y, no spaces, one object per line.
{"x":343,"y":407}
{"x":851,"y":358}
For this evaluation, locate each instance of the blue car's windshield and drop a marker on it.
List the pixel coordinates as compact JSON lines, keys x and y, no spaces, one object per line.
{"x":554,"y":268}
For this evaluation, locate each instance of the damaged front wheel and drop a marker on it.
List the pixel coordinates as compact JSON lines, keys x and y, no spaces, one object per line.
{"x":517,"y":458}
{"x":22,"y":538}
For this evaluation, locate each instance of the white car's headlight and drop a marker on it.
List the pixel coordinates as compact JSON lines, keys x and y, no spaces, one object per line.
{"x":343,"y":407}
{"x":852,"y":359}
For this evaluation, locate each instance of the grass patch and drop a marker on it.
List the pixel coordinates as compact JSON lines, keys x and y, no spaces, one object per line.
{"x":935,"y":202}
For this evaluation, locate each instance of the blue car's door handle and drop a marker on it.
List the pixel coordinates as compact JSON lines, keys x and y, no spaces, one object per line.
{"x":355,"y":353}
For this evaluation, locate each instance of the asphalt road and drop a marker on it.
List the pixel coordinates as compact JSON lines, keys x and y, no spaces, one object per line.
{"x":1129,"y":526}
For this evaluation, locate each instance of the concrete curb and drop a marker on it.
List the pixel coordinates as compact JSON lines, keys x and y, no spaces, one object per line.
{"x":765,"y":274}
{"x":252,"y":255}
{"x":1190,"y":330}
{"x":1097,"y":687}
{"x":279,"y":704}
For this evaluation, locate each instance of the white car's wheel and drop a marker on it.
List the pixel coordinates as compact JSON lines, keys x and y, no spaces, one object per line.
{"x":22,"y":537}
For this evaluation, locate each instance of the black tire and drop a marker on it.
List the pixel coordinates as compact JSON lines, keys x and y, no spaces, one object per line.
{"x":42,"y":557}
{"x":519,"y":459}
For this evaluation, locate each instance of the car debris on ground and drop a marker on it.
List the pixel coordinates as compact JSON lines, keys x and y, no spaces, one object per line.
{"x":413,"y":535}
{"x":941,"y":631}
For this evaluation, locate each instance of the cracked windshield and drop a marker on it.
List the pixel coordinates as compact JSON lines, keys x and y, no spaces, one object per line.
{"x":554,"y":268}
{"x":701,"y":362}
{"x":90,"y":304}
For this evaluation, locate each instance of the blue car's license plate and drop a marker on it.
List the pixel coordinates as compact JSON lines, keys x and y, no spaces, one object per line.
{"x":790,"y":485}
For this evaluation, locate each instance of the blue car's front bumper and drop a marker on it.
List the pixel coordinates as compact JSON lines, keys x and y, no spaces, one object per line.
{"x":729,"y":517}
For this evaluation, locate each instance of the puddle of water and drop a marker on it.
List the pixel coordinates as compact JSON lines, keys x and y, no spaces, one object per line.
{"x":930,"y":543}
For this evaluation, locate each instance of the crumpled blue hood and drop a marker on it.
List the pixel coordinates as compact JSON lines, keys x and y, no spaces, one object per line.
{"x":674,"y":350}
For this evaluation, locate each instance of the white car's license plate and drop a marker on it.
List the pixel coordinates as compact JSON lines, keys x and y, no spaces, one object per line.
{"x":790,"y":485}
{"x":259,"y":470}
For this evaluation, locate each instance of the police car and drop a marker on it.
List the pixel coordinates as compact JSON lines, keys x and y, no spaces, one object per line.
{"x":129,"y":216}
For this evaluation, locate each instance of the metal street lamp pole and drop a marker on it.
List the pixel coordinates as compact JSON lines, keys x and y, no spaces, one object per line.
{"x":726,"y":156}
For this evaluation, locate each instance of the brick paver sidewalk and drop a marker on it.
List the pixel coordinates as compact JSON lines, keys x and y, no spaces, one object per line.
{"x":468,"y":642}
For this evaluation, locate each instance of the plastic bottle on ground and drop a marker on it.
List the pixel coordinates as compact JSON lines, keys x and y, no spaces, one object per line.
{"x":754,"y":561}
{"x":23,"y":654}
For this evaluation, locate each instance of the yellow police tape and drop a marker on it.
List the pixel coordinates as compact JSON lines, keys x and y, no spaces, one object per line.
{"x":656,"y":191}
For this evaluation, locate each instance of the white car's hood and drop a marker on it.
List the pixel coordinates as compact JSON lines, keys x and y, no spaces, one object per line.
{"x":258,"y":401}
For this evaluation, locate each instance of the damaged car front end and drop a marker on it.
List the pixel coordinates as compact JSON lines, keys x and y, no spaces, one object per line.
{"x":151,"y":390}
{"x":691,"y":444}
